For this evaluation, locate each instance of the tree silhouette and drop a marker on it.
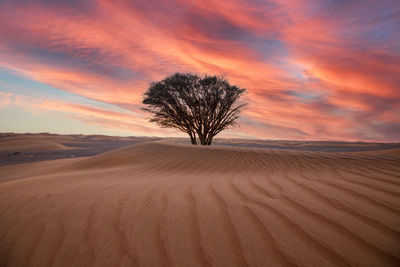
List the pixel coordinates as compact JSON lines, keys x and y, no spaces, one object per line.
{"x":203,"y":105}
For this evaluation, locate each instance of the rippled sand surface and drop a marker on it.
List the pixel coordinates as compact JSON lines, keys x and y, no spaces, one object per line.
{"x":159,"y":204}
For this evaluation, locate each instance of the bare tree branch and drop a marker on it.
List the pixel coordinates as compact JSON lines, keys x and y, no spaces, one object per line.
{"x":194,"y":104}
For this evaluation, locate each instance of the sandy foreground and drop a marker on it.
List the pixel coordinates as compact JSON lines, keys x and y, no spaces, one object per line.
{"x":161,"y":204}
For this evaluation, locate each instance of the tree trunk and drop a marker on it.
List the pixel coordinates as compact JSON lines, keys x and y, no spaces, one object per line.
{"x":209,"y":139}
{"x":193,"y":138}
{"x":202,"y":139}
{"x":205,"y":139}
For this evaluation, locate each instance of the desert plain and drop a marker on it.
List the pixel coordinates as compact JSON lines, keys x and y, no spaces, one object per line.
{"x":75,"y":200}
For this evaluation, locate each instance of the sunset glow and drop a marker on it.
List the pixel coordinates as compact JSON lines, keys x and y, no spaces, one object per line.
{"x":314,"y":70}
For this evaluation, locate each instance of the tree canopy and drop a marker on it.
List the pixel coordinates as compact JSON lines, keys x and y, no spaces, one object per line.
{"x":195,"y":104}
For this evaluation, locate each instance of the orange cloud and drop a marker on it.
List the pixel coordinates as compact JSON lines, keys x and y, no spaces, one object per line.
{"x":313,"y":69}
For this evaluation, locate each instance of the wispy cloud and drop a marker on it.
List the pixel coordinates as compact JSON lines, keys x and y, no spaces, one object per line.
{"x":313,"y":69}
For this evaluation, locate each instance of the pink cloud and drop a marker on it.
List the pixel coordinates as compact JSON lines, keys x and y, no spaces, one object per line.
{"x":313,"y":69}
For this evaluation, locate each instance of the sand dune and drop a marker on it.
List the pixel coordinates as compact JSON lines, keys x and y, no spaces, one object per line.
{"x":24,"y":148}
{"x":33,"y":144}
{"x":159,"y":204}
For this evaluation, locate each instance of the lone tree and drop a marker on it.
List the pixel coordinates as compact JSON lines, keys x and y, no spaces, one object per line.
{"x":202,"y":105}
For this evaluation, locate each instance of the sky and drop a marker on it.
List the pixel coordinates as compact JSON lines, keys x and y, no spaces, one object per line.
{"x":313,"y":69}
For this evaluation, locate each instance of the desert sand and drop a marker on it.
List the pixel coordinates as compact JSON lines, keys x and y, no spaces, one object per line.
{"x":164,"y":204}
{"x":23,"y":148}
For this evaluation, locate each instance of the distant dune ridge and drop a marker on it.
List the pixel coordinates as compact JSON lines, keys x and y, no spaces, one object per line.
{"x":165,"y":204}
{"x":31,"y":145}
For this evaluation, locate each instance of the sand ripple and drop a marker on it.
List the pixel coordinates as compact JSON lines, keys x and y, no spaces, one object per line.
{"x":159,"y":204}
